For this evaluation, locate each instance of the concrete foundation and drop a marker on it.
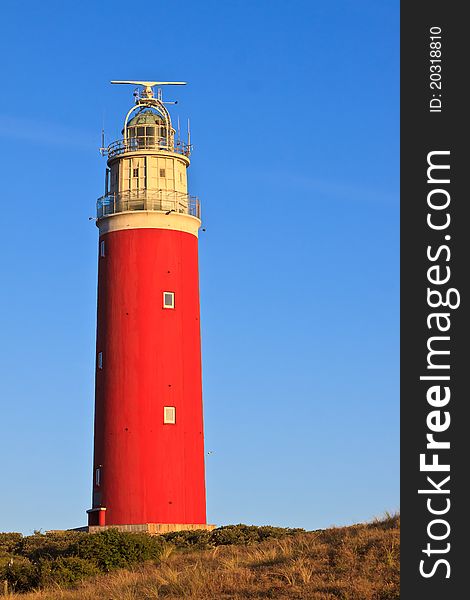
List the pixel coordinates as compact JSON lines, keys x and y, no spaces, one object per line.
{"x":150,"y":528}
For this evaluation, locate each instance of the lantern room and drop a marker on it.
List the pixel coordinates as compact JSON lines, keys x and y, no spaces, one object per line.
{"x":147,"y":166}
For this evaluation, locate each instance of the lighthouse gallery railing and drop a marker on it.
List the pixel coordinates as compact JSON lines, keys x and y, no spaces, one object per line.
{"x":158,"y":200}
{"x":150,"y":142}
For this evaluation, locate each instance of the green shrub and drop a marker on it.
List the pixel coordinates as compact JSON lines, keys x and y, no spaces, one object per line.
{"x":113,"y":549}
{"x":248,"y":534}
{"x":199,"y":539}
{"x":49,"y":545}
{"x":8,"y":542}
{"x":65,"y":571}
{"x":21,"y":573}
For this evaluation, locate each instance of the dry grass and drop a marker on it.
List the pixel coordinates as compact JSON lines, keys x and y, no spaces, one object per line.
{"x":350,"y":563}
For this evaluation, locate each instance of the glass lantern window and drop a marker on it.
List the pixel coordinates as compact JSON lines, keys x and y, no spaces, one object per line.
{"x":150,"y":135}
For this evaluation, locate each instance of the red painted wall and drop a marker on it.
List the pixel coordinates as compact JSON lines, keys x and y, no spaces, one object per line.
{"x":151,"y":472}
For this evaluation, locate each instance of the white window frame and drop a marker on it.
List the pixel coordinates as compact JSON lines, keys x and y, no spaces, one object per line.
{"x":172,"y":305}
{"x":100,"y":360}
{"x":102,"y":249}
{"x":169,"y":419}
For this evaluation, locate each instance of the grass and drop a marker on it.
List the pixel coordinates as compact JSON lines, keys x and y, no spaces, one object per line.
{"x":360,"y":562}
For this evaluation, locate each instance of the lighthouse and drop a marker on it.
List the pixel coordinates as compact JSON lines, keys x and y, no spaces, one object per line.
{"x":148,"y":469}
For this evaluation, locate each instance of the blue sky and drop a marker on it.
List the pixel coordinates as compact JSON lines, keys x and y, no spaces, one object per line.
{"x":294,"y":119}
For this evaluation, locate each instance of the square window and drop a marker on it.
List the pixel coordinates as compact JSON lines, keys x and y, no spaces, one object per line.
{"x":100,"y":360}
{"x":102,"y":249}
{"x":168,"y":299}
{"x":162,"y":173}
{"x":169,"y":414}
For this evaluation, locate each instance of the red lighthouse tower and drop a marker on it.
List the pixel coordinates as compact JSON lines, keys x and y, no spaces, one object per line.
{"x":148,"y":472}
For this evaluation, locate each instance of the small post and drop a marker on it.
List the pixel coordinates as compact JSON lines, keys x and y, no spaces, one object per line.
{"x":189,"y":137}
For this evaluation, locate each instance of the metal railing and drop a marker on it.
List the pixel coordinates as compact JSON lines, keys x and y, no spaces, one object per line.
{"x":135,"y":144}
{"x":158,"y":200}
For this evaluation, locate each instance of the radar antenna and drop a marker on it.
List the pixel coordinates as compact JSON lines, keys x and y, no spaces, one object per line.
{"x":148,"y":85}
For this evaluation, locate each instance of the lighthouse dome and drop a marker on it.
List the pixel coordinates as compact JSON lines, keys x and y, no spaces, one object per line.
{"x":147,"y":128}
{"x":146,"y":117}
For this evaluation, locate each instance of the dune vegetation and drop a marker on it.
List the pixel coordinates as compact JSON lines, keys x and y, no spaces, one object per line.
{"x":240,"y":562}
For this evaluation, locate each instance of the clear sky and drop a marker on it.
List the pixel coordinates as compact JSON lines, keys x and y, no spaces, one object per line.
{"x":294,"y":119}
